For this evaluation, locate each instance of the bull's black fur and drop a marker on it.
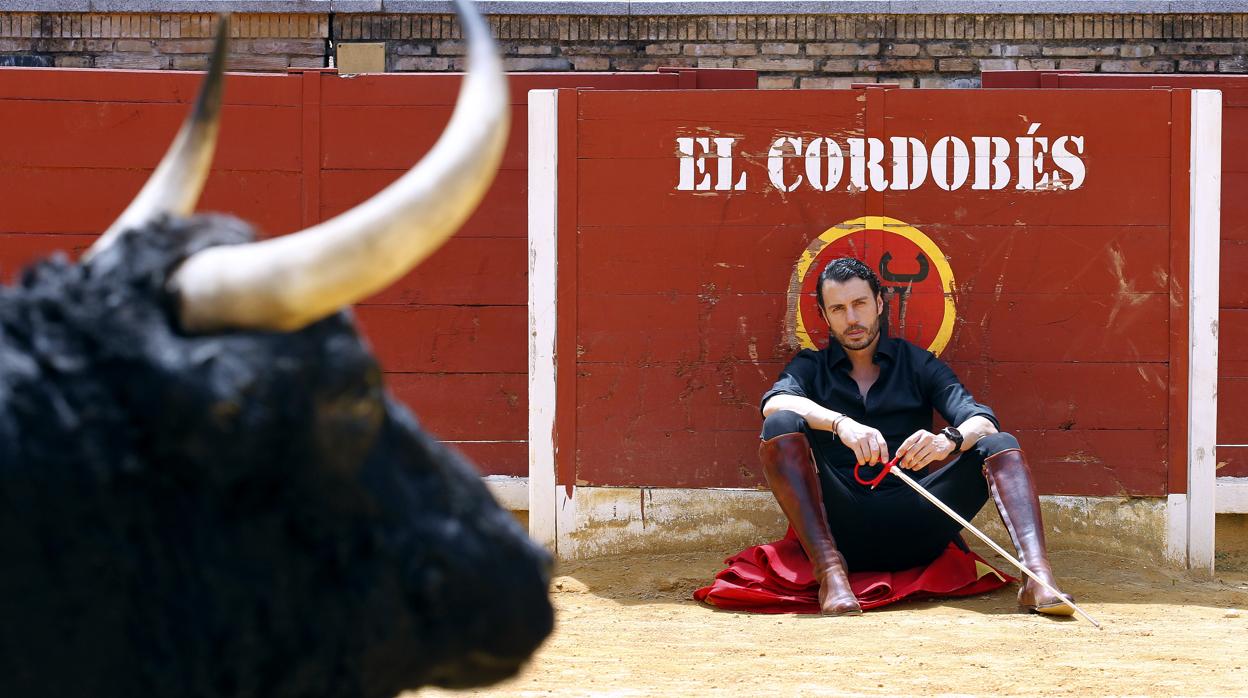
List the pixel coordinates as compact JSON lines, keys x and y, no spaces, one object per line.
{"x":241,"y":514}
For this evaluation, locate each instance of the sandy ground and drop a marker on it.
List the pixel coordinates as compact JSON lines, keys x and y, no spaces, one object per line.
{"x":627,"y":627}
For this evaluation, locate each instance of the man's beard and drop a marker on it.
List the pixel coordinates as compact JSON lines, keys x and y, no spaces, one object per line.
{"x":861,"y":341}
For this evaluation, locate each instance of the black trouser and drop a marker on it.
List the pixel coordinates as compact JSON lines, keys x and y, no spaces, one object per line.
{"x":892,"y":527}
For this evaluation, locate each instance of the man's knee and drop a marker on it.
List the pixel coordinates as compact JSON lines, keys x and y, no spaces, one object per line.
{"x":781,"y":423}
{"x":996,"y":443}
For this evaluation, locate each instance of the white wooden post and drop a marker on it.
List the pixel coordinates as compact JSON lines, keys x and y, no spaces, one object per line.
{"x":543,"y":311}
{"x":1202,"y":391}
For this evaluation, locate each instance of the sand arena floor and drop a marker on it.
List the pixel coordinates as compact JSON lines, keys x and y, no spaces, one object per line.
{"x":627,"y":627}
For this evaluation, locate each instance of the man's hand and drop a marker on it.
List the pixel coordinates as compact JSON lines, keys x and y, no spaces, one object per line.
{"x":867,"y":444}
{"x":922,"y":448}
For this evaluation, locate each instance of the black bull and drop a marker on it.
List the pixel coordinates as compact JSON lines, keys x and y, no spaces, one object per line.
{"x":237,"y":514}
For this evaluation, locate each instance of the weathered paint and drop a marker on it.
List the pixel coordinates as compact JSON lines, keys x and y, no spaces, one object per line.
{"x":1232,"y":460}
{"x":295,"y":149}
{"x":1063,"y":294}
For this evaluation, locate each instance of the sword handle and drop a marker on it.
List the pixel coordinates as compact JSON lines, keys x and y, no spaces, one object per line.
{"x":878,"y":478}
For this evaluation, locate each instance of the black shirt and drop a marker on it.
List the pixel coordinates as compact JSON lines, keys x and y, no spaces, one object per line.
{"x":911,"y":384}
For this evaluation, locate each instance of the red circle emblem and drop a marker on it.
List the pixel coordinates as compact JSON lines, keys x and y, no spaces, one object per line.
{"x":915,"y":277}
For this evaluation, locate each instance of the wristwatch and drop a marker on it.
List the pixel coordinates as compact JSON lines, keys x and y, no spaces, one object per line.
{"x":953,"y":435}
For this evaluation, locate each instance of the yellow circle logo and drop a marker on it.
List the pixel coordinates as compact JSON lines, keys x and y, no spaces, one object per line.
{"x":916,"y":281}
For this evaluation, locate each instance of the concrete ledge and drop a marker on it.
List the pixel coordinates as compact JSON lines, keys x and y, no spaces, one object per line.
{"x":620,"y":520}
{"x":646,"y":8}
{"x":511,"y":492}
{"x":1231,"y":495}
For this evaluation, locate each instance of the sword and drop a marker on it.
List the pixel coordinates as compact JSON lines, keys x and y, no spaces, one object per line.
{"x":888,"y":468}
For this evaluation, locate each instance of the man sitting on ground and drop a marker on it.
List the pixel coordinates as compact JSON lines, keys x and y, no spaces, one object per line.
{"x":864,"y":397}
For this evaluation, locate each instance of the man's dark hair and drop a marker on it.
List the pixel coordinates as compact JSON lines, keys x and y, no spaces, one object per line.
{"x":843,"y":269}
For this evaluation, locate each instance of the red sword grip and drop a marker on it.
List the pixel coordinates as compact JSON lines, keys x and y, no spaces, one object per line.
{"x":878,"y":478}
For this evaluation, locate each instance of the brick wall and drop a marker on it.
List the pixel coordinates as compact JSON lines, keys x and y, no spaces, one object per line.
{"x":262,"y":42}
{"x":811,"y":51}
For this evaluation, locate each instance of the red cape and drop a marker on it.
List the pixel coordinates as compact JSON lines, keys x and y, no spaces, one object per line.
{"x":777,"y":578}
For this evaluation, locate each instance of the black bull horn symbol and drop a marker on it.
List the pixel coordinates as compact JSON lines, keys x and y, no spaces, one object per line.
{"x":888,"y":275}
{"x":902,"y":291}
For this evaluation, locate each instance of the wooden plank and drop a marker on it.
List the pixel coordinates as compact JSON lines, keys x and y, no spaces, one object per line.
{"x":654,"y":200}
{"x":442,"y":88}
{"x":567,"y":321}
{"x":500,"y":214}
{"x":874,"y":114}
{"x":1038,"y":259}
{"x":681,"y":328}
{"x":18,"y":250}
{"x":122,"y":136}
{"x":1233,"y":395}
{"x":1011,"y":327}
{"x":1111,"y":462}
{"x":1232,"y":428}
{"x":1234,"y":134}
{"x":1232,"y":462}
{"x":1009,"y":79}
{"x":1180,"y":259}
{"x":691,"y":258}
{"x":88,"y":200}
{"x":667,"y":458}
{"x":154,"y":86}
{"x":1234,"y":206}
{"x":1133,"y":205}
{"x":396,"y":137}
{"x":1233,"y":274}
{"x":310,"y":148}
{"x":724,"y":78}
{"x":446,"y":339}
{"x":1083,"y":462}
{"x":268,"y":201}
{"x":933,"y":114}
{"x":720,"y":396}
{"x":464,"y":271}
{"x":495,"y":458}
{"x":1025,"y":327}
{"x":725,"y":395}
{"x":759,"y":259}
{"x":393,"y":89}
{"x":466,"y":406}
{"x":789,"y":110}
{"x":1234,"y":86}
{"x":626,"y":125}
{"x":1071,"y":395}
{"x":1233,"y":343}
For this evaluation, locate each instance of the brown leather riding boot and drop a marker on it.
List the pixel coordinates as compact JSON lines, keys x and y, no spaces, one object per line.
{"x":790,"y":470}
{"x":1014,"y":492}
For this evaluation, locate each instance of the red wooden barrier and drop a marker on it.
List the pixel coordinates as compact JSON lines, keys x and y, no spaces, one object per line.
{"x":294,"y":149}
{"x":1233,"y":323}
{"x":1068,"y":289}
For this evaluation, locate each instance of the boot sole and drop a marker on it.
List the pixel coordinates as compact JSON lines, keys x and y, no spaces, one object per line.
{"x":1057,"y":609}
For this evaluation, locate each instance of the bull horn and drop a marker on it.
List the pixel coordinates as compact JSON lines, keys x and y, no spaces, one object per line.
{"x":175,"y":186}
{"x":288,"y":282}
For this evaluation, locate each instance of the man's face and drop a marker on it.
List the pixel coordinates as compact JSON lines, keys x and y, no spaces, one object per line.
{"x":852,"y":312}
